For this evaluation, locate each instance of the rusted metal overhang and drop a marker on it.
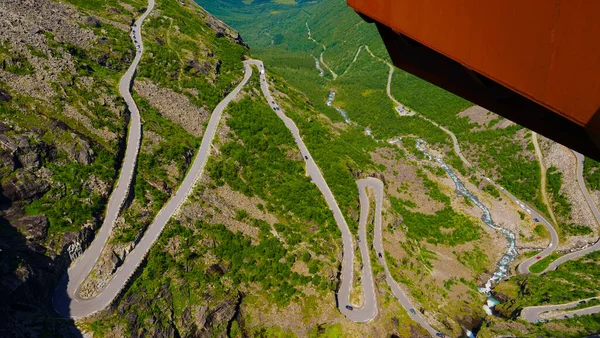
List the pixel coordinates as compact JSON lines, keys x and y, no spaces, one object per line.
{"x":536,"y":62}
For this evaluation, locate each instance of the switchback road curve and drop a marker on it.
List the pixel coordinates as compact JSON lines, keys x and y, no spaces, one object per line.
{"x":369,"y":309}
{"x":377,"y":187}
{"x":534,"y":314}
{"x":66,"y":300}
{"x":84,"y":264}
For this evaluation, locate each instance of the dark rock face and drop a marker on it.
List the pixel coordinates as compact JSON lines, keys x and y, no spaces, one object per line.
{"x":241,"y":41}
{"x":92,"y":21}
{"x":33,"y":227}
{"x":4,"y":96}
{"x":81,"y":152}
{"x":224,"y":31}
{"x":7,"y":160}
{"x":24,"y":186}
{"x":194,"y":66}
{"x":218,"y":67}
{"x":29,"y":160}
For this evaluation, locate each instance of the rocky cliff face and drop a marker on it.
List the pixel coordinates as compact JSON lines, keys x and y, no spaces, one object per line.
{"x":59,"y":139}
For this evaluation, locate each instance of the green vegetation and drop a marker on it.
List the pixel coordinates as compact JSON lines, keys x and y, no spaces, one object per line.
{"x":543,"y":263}
{"x":475,"y":259}
{"x":492,"y":190}
{"x":174,"y":58}
{"x":560,"y":203}
{"x":432,"y":189}
{"x":587,"y":303}
{"x":540,"y":230}
{"x":67,"y":212}
{"x":346,"y":152}
{"x":266,"y":332}
{"x":327,"y":331}
{"x":591,"y":173}
{"x":446,"y":227}
{"x":575,"y":229}
{"x":577,"y":327}
{"x":428,"y":99}
{"x":571,"y":281}
{"x":259,"y":164}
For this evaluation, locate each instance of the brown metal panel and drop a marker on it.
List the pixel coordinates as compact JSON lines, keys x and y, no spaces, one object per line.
{"x":547,"y":51}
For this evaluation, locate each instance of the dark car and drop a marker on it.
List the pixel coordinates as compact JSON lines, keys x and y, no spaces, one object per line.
{"x":349,"y":307}
{"x":306,"y":157}
{"x":536,"y":219}
{"x":413,"y":311}
{"x":380,"y":255}
{"x":439,"y":334}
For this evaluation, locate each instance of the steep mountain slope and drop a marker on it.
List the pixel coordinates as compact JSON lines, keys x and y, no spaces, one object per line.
{"x":64,"y":127}
{"x":320,"y":48}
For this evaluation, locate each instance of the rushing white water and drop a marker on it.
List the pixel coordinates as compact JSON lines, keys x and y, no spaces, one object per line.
{"x":486,"y":217}
{"x":340,"y":110}
{"x":318,"y":66}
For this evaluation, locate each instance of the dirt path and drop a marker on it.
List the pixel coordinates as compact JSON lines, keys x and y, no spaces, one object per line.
{"x":538,"y":152}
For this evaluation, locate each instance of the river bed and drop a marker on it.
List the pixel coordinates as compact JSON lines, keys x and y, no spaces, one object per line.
{"x":511,"y":252}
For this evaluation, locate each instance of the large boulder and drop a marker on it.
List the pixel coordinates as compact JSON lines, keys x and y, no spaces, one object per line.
{"x":24,"y":186}
{"x":92,"y":21}
{"x":29,"y":160}
{"x":33,"y":227}
{"x":5,"y":96}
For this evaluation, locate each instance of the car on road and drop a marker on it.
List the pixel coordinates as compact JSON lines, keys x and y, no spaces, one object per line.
{"x":566,"y":316}
{"x":539,"y":257}
{"x":537,"y":220}
{"x":439,"y":334}
{"x":306,"y":157}
{"x":349,"y":307}
{"x":413,"y":311}
{"x":380,"y":255}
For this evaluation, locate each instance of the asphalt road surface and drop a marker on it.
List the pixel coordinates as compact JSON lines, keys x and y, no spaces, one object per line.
{"x":369,"y":309}
{"x":66,"y":300}
{"x":377,"y":187}
{"x":534,"y":314}
{"x":84,"y":264}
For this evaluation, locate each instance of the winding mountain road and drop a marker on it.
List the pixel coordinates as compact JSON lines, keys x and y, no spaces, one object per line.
{"x":369,"y":309}
{"x":66,"y":300}
{"x":377,"y":187}
{"x":84,"y":264}
{"x":533,"y":314}
{"x":577,"y":254}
